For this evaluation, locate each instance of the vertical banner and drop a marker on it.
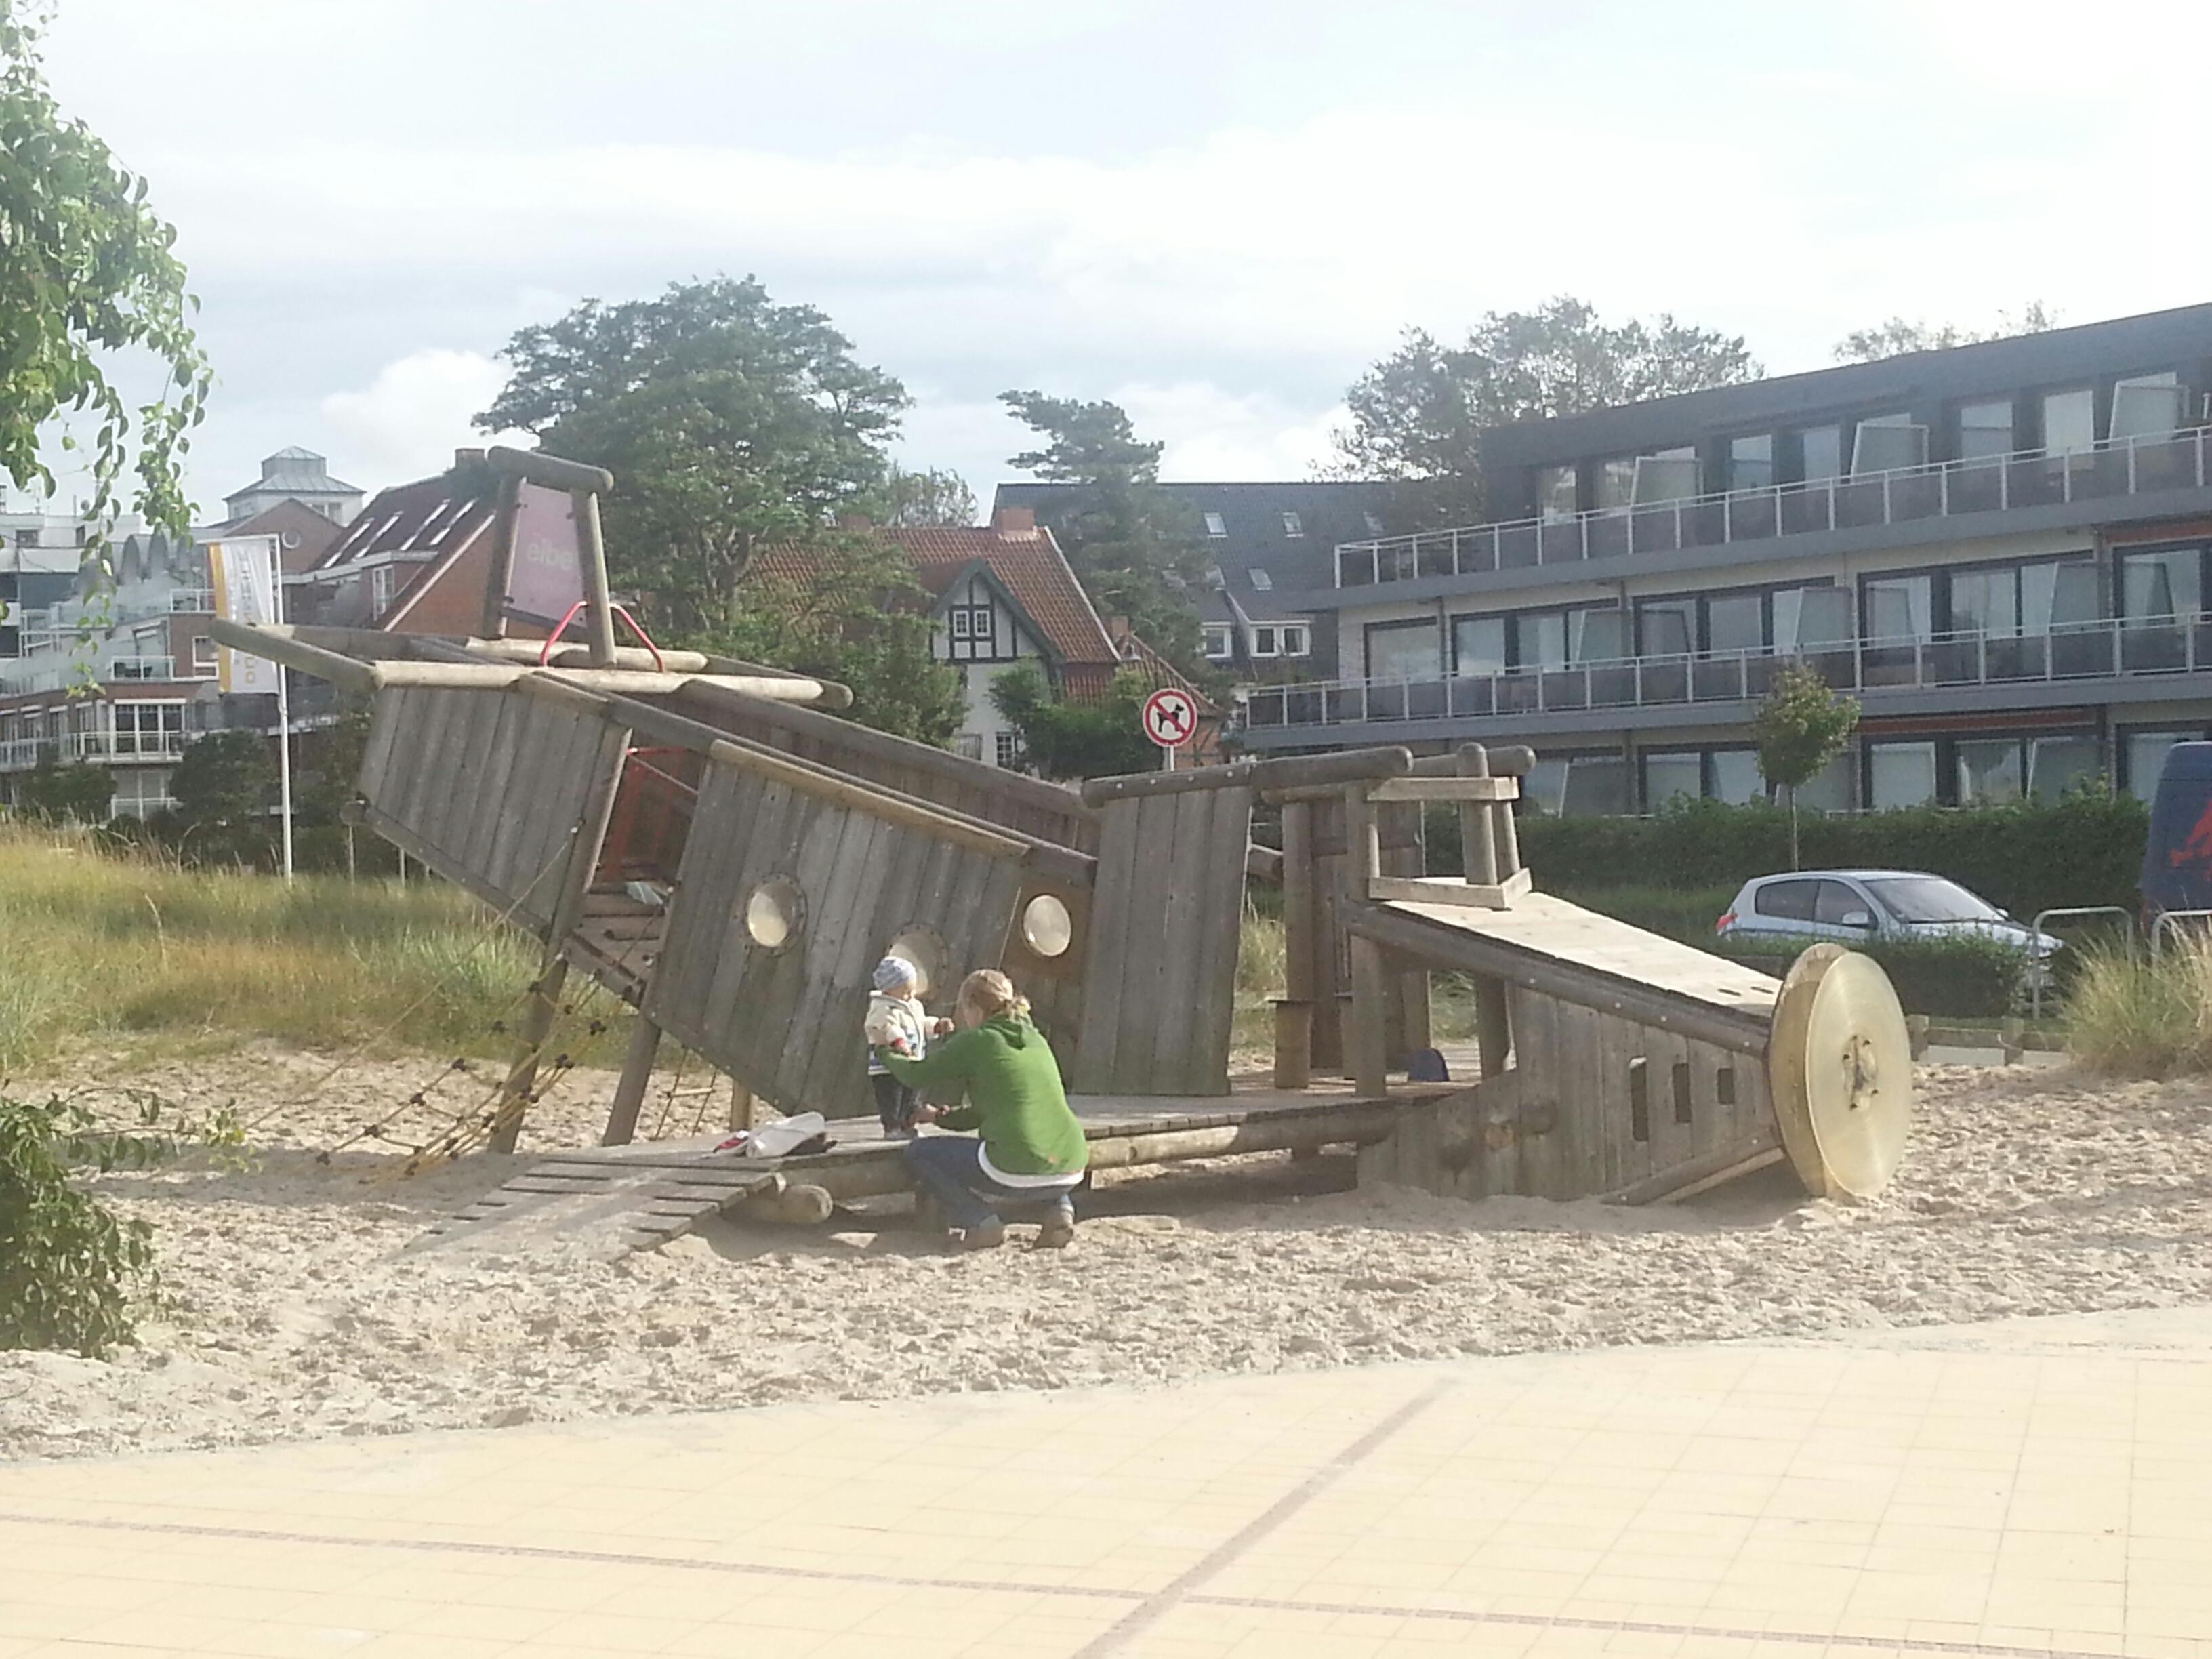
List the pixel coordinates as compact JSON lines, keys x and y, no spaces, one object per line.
{"x":545,"y":578}
{"x":245,"y":570}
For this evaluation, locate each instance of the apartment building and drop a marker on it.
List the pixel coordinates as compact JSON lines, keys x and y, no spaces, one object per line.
{"x":2000,"y":550}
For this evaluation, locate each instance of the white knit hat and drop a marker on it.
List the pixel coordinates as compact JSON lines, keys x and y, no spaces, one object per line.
{"x":893,"y":972}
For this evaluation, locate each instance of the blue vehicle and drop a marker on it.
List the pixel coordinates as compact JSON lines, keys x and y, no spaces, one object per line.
{"x":2177,"y":868}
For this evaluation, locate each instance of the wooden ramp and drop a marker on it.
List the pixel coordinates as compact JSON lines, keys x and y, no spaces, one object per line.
{"x":609,"y":1201}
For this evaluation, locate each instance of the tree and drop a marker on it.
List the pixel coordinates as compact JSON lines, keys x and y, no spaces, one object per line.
{"x":1899,"y":336}
{"x":1074,"y":740}
{"x":1802,"y":726}
{"x":223,"y":787}
{"x":1134,"y":547}
{"x":74,"y":793}
{"x":919,"y":500}
{"x":1417,"y":415}
{"x":847,"y":607}
{"x":730,"y":423}
{"x":86,"y":269}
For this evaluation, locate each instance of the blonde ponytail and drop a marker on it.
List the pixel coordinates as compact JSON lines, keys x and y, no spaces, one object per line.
{"x":991,"y":994}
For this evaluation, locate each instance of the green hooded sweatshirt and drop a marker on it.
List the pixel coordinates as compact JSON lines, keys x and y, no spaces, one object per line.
{"x":1014,"y":1094}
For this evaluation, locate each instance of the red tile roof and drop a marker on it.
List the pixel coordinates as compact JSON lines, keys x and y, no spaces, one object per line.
{"x":1023,"y":559}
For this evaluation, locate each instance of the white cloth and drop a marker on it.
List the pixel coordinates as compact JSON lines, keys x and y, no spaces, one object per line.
{"x":890,"y":1022}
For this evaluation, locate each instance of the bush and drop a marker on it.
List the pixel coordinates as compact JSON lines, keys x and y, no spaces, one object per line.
{"x":2086,"y":849}
{"x":2135,"y":1017}
{"x":71,"y":1271}
{"x":1946,"y":978}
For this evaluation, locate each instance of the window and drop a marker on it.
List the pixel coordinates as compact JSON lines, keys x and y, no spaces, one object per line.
{"x":1821,"y":449}
{"x":1216,"y":526}
{"x":383,"y":583}
{"x":2162,"y":585}
{"x":1989,"y":771}
{"x":1667,"y":777}
{"x":1263,"y":579}
{"x":1736,"y":779}
{"x":1555,"y":492}
{"x":968,"y":745}
{"x":1293,"y":525}
{"x":962,"y":622}
{"x":2142,"y":757}
{"x":1217,"y":645}
{"x":1810,"y":616}
{"x":1899,"y":607}
{"x":1596,"y":787}
{"x":1736,"y":622}
{"x":1616,"y":481}
{"x":203,"y":651}
{"x":973,"y":629}
{"x":1835,"y":901}
{"x":2147,"y":405}
{"x":1751,"y":461}
{"x":2070,"y":421}
{"x":1007,"y":749}
{"x":1404,"y":651}
{"x":1266,"y":640}
{"x":1477,"y":645}
{"x":1671,"y":475}
{"x":1296,"y":641}
{"x":2056,"y":765}
{"x":1986,"y":602}
{"x":1667,"y":627}
{"x":149,"y":728}
{"x":1886,"y":442}
{"x":1900,"y":774}
{"x":1790,"y":900}
{"x":1986,"y":429}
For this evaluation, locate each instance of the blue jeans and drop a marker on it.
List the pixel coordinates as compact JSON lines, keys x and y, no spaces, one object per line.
{"x":950,"y":1169}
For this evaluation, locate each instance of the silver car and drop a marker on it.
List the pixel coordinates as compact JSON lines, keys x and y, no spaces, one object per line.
{"x":1857,"y":905}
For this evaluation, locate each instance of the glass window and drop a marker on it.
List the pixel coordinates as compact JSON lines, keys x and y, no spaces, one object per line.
{"x":1900,"y":774}
{"x":2147,"y":405}
{"x":1555,"y":492}
{"x":1986,"y":429}
{"x":2057,"y":764}
{"x":1263,"y":579}
{"x":1669,"y":476}
{"x":1293,"y":525}
{"x":1838,"y":901}
{"x":1899,"y":607}
{"x":1598,"y":634}
{"x":2052,"y":595}
{"x":1989,"y":770}
{"x":1597,"y":787}
{"x":1540,"y":639}
{"x":1736,"y":622}
{"x":1402,"y":651}
{"x":2069,"y":420}
{"x":1668,"y":776}
{"x":1007,"y":749}
{"x":1931,"y":899}
{"x":1616,"y":481}
{"x":1886,"y":442}
{"x":1823,"y":450}
{"x":1736,"y":780}
{"x":1751,"y":461}
{"x":2144,"y":758}
{"x":2168,"y":583}
{"x":1809,"y":617}
{"x":1986,"y":602}
{"x":1216,"y":526}
{"x":1264,"y":640}
{"x":1216,"y":639}
{"x":1791,"y":901}
{"x":1667,"y":627}
{"x":1478,"y":644}
{"x":1296,"y":640}
{"x":1543,"y":792}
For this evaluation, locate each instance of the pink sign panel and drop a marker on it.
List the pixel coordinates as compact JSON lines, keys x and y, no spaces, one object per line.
{"x":547,"y":575}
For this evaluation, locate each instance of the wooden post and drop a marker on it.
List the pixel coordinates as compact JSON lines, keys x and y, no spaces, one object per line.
{"x":744,"y":1106}
{"x":599,"y":603}
{"x":630,"y":1092}
{"x":508,"y":504}
{"x":589,"y":835}
{"x":1300,"y":945}
{"x":1368,"y":1044}
{"x":1493,"y":1033}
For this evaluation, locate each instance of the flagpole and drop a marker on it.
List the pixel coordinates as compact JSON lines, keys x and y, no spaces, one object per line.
{"x":284,"y":704}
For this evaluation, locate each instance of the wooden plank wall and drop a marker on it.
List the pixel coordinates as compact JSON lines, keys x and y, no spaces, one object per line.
{"x":1398,"y":825}
{"x":488,"y":784}
{"x":1160,"y":979}
{"x":786,"y":1022}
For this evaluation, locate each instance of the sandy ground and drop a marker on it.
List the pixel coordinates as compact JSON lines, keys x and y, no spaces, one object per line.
{"x":290,"y":1316}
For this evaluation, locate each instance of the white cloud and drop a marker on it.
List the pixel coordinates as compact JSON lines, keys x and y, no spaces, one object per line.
{"x":417,"y":411}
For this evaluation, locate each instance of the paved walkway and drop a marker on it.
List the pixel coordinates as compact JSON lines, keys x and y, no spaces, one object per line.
{"x":2036,"y":1488}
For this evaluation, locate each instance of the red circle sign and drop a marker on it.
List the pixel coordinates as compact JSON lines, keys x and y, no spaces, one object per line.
{"x":1171,"y":718}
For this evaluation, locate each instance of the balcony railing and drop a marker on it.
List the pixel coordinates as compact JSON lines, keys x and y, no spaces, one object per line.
{"x":2071,"y":651}
{"x":21,"y":754}
{"x":192,"y":599}
{"x":1939,"y":489}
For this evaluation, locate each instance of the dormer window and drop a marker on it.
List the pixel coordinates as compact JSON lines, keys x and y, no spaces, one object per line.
{"x":1263,"y":579}
{"x":1216,"y":526}
{"x":1293,"y":525}
{"x":1217,"y":645}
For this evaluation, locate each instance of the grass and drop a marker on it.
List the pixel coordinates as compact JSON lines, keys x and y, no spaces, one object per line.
{"x":129,"y":951}
{"x":2136,"y":1017}
{"x":1260,"y":978}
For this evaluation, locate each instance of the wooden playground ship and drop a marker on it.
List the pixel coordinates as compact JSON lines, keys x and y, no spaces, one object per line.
{"x":701,"y":838}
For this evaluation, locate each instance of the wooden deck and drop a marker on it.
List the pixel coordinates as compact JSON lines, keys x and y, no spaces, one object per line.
{"x":611,"y":1200}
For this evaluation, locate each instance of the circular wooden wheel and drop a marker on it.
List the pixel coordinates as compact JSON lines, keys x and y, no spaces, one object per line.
{"x":1841,"y":1064}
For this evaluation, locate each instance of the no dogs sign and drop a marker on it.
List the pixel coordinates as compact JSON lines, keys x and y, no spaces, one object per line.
{"x":1170,"y":718}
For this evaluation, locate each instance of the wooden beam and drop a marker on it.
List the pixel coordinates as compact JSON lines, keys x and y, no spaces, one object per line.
{"x":629,"y":681}
{"x":1701,"y":1174}
{"x":1449,"y":890}
{"x":1291,"y":772}
{"x":536,"y":466}
{"x":493,"y":618}
{"x":1458,"y":789}
{"x":280,"y":647}
{"x":1511,"y":760}
{"x":591,"y":552}
{"x":629,"y":1089}
{"x":1263,"y":863}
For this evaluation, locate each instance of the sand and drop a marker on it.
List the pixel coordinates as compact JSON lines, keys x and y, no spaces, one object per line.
{"x":291,"y":1315}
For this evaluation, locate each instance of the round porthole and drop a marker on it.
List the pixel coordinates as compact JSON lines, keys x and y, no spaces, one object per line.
{"x":1047,"y":928}
{"x":774,"y":913}
{"x":925,"y":949}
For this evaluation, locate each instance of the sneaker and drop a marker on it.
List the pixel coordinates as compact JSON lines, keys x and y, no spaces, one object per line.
{"x":989,"y":1237}
{"x":1057,"y":1232}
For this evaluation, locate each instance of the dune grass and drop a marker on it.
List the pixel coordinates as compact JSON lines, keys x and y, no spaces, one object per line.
{"x":129,"y":952}
{"x":2136,"y":1017}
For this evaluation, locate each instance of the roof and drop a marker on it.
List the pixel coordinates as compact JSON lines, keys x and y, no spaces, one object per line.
{"x":1255,"y":536}
{"x":293,"y":471}
{"x":2084,"y":353}
{"x":424,"y":526}
{"x":1157,"y":671}
{"x":1022,"y":558}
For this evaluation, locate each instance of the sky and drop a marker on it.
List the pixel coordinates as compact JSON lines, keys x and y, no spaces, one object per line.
{"x":1215,"y":213}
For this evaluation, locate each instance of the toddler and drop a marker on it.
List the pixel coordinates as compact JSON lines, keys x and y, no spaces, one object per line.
{"x":896,"y":1021}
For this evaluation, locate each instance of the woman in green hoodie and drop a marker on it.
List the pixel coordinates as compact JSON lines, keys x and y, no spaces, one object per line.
{"x":1029,"y":1145}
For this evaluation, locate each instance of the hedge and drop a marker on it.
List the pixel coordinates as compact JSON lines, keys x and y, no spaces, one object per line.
{"x":1969,"y":978}
{"x":2086,"y":849}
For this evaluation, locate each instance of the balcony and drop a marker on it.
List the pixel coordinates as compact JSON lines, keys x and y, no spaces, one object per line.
{"x":2113,"y":470}
{"x":102,"y":748}
{"x":194,"y":601}
{"x":2109,"y":650}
